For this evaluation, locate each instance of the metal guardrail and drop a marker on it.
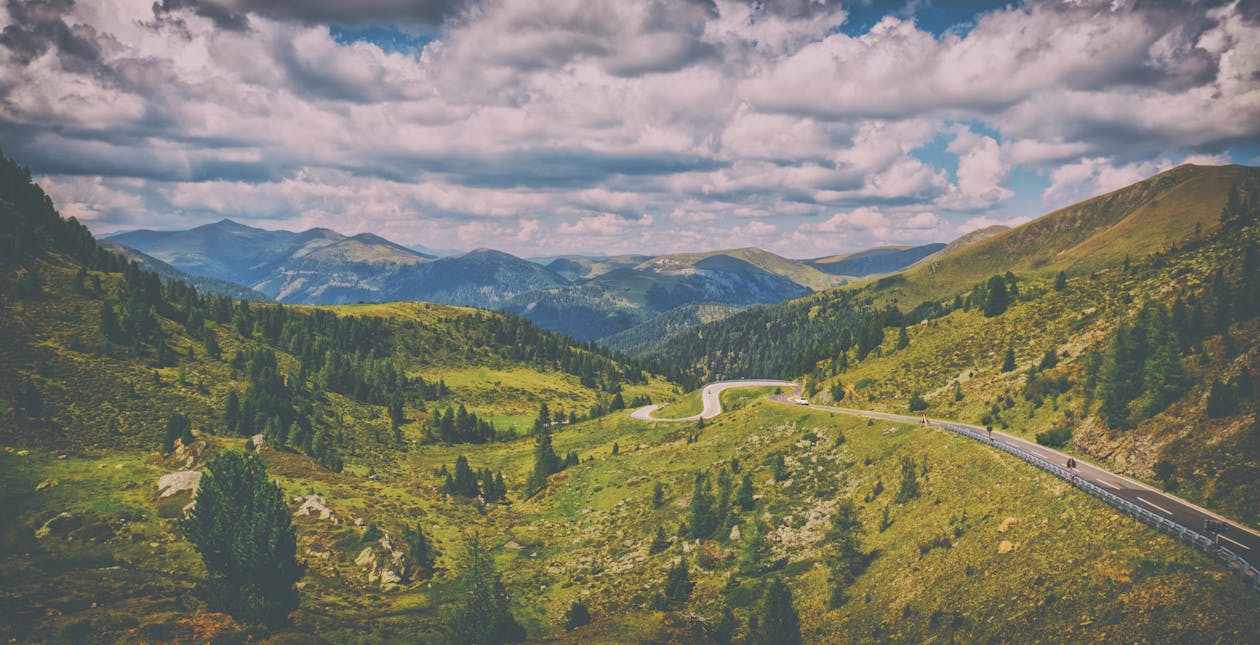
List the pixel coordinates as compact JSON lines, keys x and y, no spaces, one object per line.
{"x":1185,"y":534}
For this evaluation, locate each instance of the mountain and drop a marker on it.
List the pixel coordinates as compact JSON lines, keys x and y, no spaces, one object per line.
{"x":383,"y":422}
{"x":320,"y":266}
{"x":628,"y":291}
{"x":881,"y":259}
{"x":169,"y":273}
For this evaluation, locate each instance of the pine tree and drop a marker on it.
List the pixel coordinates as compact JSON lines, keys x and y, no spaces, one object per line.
{"x":754,"y":555}
{"x":177,"y":427}
{"x":843,"y":550}
{"x":482,"y":615}
{"x":1060,"y":281}
{"x":109,"y":324}
{"x":659,"y":541}
{"x":778,"y":622}
{"x":744,"y":496}
{"x":909,"y":482}
{"x":702,"y":517}
{"x":658,"y":495}
{"x":577,"y":616}
{"x":1048,"y":360}
{"x":1221,"y":401}
{"x":420,"y":551}
{"x":903,"y":339}
{"x":1008,"y":362}
{"x":997,"y":299}
{"x":678,"y":584}
{"x":242,"y":528}
{"x":464,"y":482}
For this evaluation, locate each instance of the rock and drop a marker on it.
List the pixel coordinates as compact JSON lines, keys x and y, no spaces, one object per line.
{"x":366,"y":557}
{"x":8,"y":448}
{"x":735,"y":534}
{"x":388,"y":577}
{"x":259,"y":441}
{"x":172,"y":483}
{"x":316,"y":505}
{"x":60,"y":523}
{"x":47,"y":483}
{"x":23,"y":453}
{"x":1006,"y":524}
{"x":358,"y":521}
{"x":513,"y":544}
{"x":1005,"y":546}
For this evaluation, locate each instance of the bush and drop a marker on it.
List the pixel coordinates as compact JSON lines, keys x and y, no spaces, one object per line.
{"x":917,"y":403}
{"x":577,"y":616}
{"x":1056,"y":438}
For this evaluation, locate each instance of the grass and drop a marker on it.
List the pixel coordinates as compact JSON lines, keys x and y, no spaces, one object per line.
{"x":736,"y":398}
{"x":687,"y":406}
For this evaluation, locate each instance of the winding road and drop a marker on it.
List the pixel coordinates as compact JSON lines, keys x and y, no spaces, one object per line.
{"x":1240,"y":539}
{"x":711,"y":395}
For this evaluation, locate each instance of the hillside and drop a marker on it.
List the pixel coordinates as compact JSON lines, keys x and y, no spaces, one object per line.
{"x":941,"y":534}
{"x":882,"y":259}
{"x":1168,"y":209}
{"x":169,"y":273}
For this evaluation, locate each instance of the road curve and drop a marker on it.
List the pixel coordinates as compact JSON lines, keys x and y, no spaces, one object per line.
{"x":1237,"y":537}
{"x":711,"y":396}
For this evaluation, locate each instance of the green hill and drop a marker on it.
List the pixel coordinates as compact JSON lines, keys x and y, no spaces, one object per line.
{"x":949,"y":540}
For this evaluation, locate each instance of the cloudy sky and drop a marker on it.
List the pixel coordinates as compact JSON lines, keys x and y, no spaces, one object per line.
{"x":594,"y":126}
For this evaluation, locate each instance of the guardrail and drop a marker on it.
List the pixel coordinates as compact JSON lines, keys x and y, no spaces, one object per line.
{"x":1185,"y":534}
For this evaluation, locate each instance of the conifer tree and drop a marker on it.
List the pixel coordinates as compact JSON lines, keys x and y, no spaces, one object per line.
{"x":482,"y":615}
{"x":702,"y":517}
{"x":420,"y":551}
{"x":242,"y":528}
{"x":177,"y":427}
{"x":658,"y":495}
{"x":909,"y":482}
{"x":1060,"y":281}
{"x":996,"y":300}
{"x":659,"y":541}
{"x":756,"y":551}
{"x":843,"y":550}
{"x":903,"y":339}
{"x":744,"y":496}
{"x":577,"y":616}
{"x":678,"y":584}
{"x":778,"y":622}
{"x":1008,"y":361}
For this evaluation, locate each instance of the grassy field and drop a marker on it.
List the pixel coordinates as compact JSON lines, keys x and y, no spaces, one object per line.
{"x":1074,"y":567}
{"x":688,"y":405}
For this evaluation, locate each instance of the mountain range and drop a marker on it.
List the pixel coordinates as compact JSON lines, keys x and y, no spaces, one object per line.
{"x":589,"y":298}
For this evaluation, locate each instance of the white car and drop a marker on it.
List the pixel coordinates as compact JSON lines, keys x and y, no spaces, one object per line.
{"x":801,"y":401}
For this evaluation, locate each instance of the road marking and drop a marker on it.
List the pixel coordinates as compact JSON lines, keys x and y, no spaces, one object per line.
{"x":1235,"y":542}
{"x":1108,"y":484}
{"x":1154,"y":505}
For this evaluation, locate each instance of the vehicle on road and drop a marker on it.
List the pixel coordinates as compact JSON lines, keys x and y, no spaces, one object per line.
{"x":801,"y":401}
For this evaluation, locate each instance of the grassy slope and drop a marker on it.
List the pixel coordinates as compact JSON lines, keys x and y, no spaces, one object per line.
{"x":798,"y":272}
{"x":1076,"y":568}
{"x":964,"y":350}
{"x":1134,"y":220}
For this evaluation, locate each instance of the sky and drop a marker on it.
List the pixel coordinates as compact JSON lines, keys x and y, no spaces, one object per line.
{"x":804,"y":127}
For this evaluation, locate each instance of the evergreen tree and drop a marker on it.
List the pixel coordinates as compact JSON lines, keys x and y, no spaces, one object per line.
{"x":843,"y":550}
{"x":909,"y":482}
{"x":778,"y":622}
{"x":744,"y":496}
{"x":996,"y":300}
{"x":420,"y":550}
{"x":903,"y":339}
{"x":678,"y":584}
{"x":1221,"y":401}
{"x":242,"y":528}
{"x":1048,"y":360}
{"x":659,"y":541}
{"x":723,"y":506}
{"x":482,"y":615}
{"x":109,"y":324}
{"x":1060,"y":281}
{"x":658,"y":495}
{"x":464,"y":482}
{"x":1008,"y":361}
{"x":577,"y":616}
{"x":754,"y":556}
{"x":177,"y":427}
{"x":702,"y":517}
{"x":546,"y":461}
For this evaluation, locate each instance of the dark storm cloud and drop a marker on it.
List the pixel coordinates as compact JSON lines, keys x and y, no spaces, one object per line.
{"x":39,"y":25}
{"x":233,"y":14}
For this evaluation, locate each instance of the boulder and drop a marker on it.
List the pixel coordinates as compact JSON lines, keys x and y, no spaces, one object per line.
{"x":184,"y":480}
{"x":366,"y":558}
{"x":315,"y":505}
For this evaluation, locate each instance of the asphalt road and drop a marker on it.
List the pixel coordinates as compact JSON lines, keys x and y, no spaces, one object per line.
{"x":1242,"y":540}
{"x":711,"y":395}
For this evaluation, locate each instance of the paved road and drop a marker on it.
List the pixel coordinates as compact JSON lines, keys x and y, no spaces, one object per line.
{"x":711,"y":395}
{"x":1242,"y":540}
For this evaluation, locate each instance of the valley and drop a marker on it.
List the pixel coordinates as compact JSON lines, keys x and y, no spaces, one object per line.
{"x":381,"y":421}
